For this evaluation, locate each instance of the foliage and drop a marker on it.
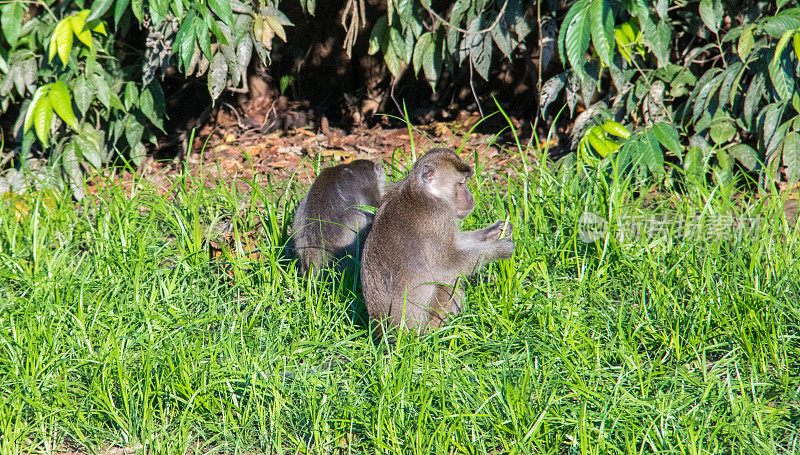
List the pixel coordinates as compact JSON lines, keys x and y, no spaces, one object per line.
{"x":731,"y":88}
{"x":467,"y":36}
{"x":87,"y":107}
{"x":97,"y":101}
{"x":726,"y":81}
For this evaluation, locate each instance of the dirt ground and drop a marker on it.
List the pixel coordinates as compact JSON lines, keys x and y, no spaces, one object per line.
{"x":234,"y":147}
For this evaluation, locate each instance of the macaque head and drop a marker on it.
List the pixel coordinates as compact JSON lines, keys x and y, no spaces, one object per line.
{"x":442,"y":175}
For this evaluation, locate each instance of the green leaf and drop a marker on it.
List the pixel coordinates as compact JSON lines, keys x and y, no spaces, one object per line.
{"x":83,"y":94}
{"x":138,"y":154}
{"x":423,"y":46}
{"x":222,"y":8}
{"x":658,"y":37}
{"x":119,"y":9}
{"x":214,"y":26}
{"x":61,"y":41}
{"x":796,"y":44}
{"x":276,"y":27}
{"x":782,"y":43}
{"x":131,"y":95}
{"x":42,"y":118}
{"x":432,"y":60}
{"x":745,"y":155}
{"x":115,"y":102}
{"x":157,"y":10}
{"x":285,"y":81}
{"x":502,"y":37}
{"x":694,"y":165}
{"x":456,"y":16}
{"x":151,"y":103}
{"x":277,"y":14}
{"x":777,"y":25}
{"x":41,"y":94}
{"x":752,"y":99}
{"x":18,"y":78}
{"x":393,"y":61}
{"x":217,"y":75}
{"x":71,"y":164}
{"x":514,"y":18}
{"x":116,"y":128}
{"x":99,"y":8}
{"x":137,"y":8}
{"x":782,"y":78}
{"x":28,"y":69}
{"x":309,"y":5}
{"x":771,"y":134}
{"x":661,"y":9}
{"x":668,"y":136}
{"x":244,"y":52}
{"x":791,"y":156}
{"x":62,"y":103}
{"x":378,"y":37}
{"x":711,"y":14}
{"x":723,"y":171}
{"x":578,"y":7}
{"x":602,"y":29}
{"x":203,"y":36}
{"x":746,"y":43}
{"x":722,"y":130}
{"x":11,"y":21}
{"x":78,"y":25}
{"x":480,"y":48}
{"x":87,"y":149}
{"x":653,"y":156}
{"x":405,"y":9}
{"x":101,"y":89}
{"x":397,"y":43}
{"x":727,"y":91}
{"x":133,"y":132}
{"x":705,"y":90}
{"x":184,"y":39}
{"x":577,"y":40}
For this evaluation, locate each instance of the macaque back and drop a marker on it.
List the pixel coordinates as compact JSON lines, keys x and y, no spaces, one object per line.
{"x":331,"y":222}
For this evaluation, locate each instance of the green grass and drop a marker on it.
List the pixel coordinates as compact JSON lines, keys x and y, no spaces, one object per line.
{"x":119,"y":329}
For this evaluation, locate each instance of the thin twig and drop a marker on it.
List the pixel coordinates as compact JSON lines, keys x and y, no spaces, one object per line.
{"x":8,"y":157}
{"x":472,"y":87}
{"x":454,"y":27}
{"x":238,"y":119}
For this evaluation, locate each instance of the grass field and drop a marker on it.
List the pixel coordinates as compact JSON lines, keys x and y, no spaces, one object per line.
{"x":122,"y":328}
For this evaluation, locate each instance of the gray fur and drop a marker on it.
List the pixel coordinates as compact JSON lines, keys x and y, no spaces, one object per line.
{"x":330,"y":223}
{"x":415,"y":253}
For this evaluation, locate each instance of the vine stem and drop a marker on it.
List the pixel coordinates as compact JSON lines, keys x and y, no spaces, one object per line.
{"x":539,"y":66}
{"x":467,"y":33}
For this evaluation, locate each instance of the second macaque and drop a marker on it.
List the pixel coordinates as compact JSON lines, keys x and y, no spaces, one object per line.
{"x":333,"y":219}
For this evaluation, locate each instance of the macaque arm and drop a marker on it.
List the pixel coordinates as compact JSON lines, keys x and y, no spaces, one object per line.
{"x":479,"y":247}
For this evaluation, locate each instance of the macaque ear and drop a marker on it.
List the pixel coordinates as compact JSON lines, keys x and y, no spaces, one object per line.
{"x":427,"y":173}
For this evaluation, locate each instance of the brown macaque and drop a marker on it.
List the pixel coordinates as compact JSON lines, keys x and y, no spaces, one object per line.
{"x":332,"y":220}
{"x":415,"y":254}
